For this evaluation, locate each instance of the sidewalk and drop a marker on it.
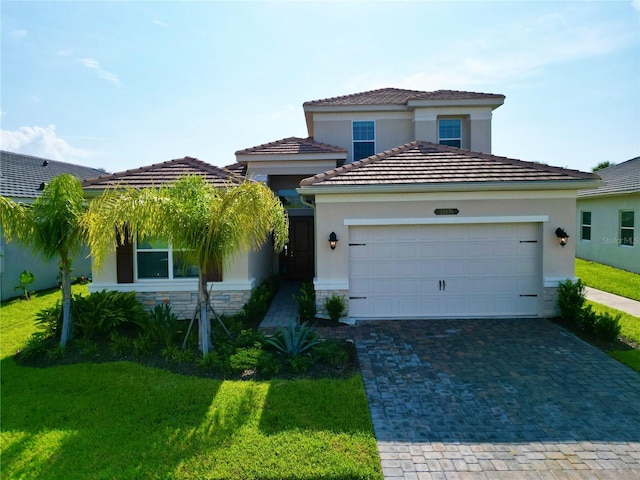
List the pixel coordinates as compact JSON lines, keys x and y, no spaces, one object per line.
{"x":283,"y":309}
{"x":614,"y":301}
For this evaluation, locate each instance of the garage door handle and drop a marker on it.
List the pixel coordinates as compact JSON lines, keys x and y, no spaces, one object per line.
{"x":439,"y":284}
{"x":357,"y":298}
{"x":444,"y":285}
{"x":529,"y":295}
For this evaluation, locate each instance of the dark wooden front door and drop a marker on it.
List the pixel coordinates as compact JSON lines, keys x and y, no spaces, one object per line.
{"x":297,"y":257}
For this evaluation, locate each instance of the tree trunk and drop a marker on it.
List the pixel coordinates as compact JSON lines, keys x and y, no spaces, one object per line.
{"x":204,"y":330}
{"x":67,"y":319}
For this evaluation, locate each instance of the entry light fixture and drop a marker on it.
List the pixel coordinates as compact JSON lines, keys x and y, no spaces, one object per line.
{"x":333,"y":240}
{"x":562,"y":235}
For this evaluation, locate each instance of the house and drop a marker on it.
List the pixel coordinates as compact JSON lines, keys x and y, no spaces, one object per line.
{"x":22,"y":178}
{"x":607,"y":218}
{"x":148,"y":269}
{"x":396,"y":203}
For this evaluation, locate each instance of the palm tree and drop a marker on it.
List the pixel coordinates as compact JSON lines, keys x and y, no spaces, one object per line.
{"x":50,"y":227}
{"x":211,"y":224}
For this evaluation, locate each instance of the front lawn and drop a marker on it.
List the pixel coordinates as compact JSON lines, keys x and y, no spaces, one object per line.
{"x":608,"y":279}
{"x":126,"y":420}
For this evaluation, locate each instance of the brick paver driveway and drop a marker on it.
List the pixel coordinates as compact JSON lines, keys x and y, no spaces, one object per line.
{"x":485,"y":399}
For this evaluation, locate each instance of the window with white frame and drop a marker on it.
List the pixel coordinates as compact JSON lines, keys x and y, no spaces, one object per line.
{"x":585,"y":227}
{"x":627,"y":227}
{"x":450,"y":132}
{"x":364,"y":139}
{"x":156,"y":259}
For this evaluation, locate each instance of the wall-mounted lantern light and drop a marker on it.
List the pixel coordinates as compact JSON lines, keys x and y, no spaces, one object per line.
{"x":562,"y":235}
{"x":333,"y":240}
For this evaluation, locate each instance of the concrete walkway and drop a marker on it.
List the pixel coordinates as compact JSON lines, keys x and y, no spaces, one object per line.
{"x":614,"y":301}
{"x":283,"y":309}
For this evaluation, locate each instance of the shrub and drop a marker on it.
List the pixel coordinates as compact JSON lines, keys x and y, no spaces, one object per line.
{"x":120,"y":345}
{"x":36,"y":346}
{"x":87,"y":346}
{"x":143,"y":344}
{"x":335,"y":307}
{"x":256,"y":307}
{"x":101,"y":313}
{"x":331,"y":352}
{"x":57,"y":352}
{"x":587,"y":320}
{"x":571,"y":299}
{"x":248,"y":338}
{"x":300,"y":364}
{"x":247,"y":358}
{"x":50,"y":320}
{"x":607,"y":327}
{"x":306,"y":302}
{"x":161,"y":324}
{"x":294,"y":340}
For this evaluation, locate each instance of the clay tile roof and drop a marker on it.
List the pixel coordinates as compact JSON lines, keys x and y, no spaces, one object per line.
{"x":398,"y":96}
{"x":291,"y":146}
{"x":618,"y":179}
{"x":162,"y":173}
{"x":429,"y":163}
{"x":22,"y":175}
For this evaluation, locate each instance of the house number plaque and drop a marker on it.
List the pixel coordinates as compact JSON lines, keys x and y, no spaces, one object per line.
{"x":446,"y":211}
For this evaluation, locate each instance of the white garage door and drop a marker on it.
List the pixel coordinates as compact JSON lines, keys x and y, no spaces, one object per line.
{"x":440,"y":271}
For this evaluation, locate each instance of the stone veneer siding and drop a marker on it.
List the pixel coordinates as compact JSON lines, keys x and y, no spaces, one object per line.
{"x":184,"y":304}
{"x":550,"y":302}
{"x":321,"y":295}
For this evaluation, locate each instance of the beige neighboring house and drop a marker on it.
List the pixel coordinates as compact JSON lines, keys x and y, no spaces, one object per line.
{"x":22,"y":178}
{"x":607,"y":218}
{"x":427,"y":222}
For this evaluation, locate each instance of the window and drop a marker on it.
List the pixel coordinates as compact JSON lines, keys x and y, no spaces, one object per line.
{"x":450,"y":132}
{"x":156,"y":259}
{"x":626,"y":227}
{"x":585,"y":230}
{"x":364,"y":144}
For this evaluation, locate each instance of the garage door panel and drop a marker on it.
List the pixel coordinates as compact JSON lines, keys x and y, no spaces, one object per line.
{"x":486,"y":269}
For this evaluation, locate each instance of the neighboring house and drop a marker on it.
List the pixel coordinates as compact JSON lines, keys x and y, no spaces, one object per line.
{"x":428,"y":223}
{"x":608,"y":218}
{"x":22,"y":178}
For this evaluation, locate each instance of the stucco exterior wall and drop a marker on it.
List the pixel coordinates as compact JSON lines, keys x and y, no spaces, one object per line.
{"x":332,"y":210}
{"x":604,"y":246}
{"x":392,"y":129}
{"x":15,"y":259}
{"x":240,"y":276}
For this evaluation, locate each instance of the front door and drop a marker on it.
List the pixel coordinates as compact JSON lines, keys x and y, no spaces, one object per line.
{"x":297,"y":257}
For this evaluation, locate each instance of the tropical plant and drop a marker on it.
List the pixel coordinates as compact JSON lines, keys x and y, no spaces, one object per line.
{"x":306,"y":302}
{"x":334,"y":306}
{"x":51,"y":227}
{"x":295,"y":339}
{"x":103,"y":312}
{"x":25,"y":279}
{"x":602,"y":165}
{"x":162,"y":324}
{"x":571,"y":298}
{"x":211,"y":224}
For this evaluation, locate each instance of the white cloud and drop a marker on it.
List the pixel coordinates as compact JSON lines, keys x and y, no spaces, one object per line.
{"x":41,"y":142}
{"x":18,"y":33}
{"x":522,"y":51}
{"x":95,"y":65}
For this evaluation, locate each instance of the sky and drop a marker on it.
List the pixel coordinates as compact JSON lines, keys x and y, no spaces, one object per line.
{"x":119,"y":85}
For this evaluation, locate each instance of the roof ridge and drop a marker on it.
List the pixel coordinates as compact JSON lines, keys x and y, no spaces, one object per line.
{"x":366,"y":92}
{"x":310,"y":141}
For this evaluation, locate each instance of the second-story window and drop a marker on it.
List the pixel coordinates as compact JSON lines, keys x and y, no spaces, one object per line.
{"x":364,"y":140}
{"x":450,"y":132}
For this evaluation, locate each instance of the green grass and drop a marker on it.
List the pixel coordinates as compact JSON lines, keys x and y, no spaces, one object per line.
{"x":628,"y":357}
{"x":609,"y":279}
{"x":125,"y":420}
